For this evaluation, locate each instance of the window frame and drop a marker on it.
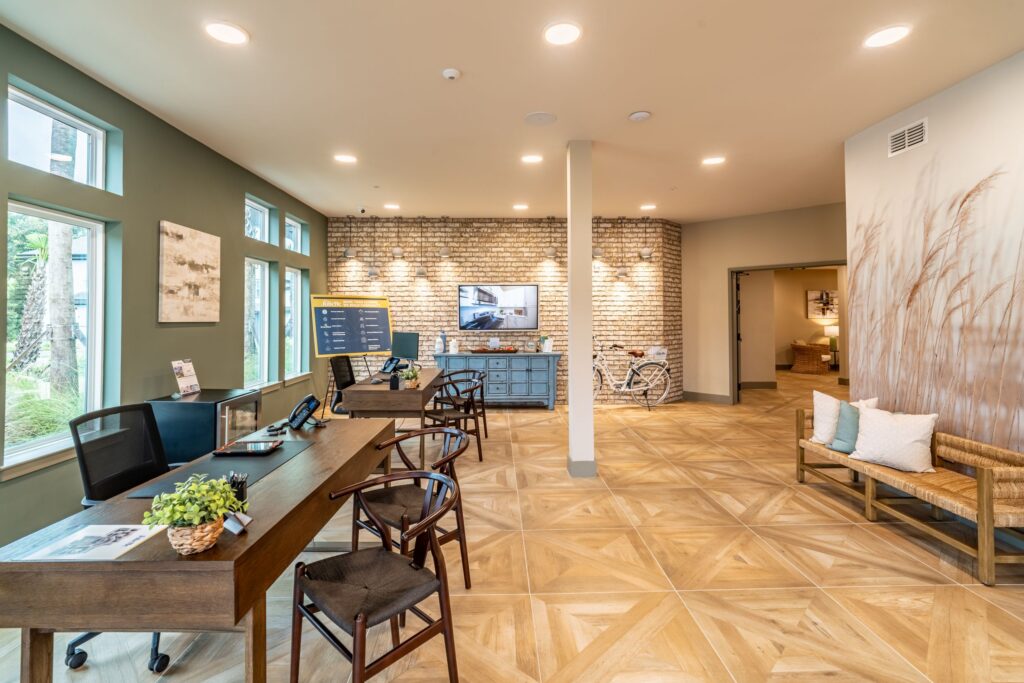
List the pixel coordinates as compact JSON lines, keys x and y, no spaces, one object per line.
{"x":268,"y":213}
{"x":301,"y":343}
{"x":302,"y":243}
{"x":97,"y":160}
{"x":265,"y":373}
{"x":96,"y":324}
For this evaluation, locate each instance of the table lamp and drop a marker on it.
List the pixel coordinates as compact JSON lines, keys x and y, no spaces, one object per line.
{"x":832,"y":331}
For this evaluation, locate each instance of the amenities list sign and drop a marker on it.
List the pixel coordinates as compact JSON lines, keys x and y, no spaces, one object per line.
{"x":351,"y":325}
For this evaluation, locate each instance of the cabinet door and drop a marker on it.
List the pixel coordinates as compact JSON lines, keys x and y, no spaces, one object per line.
{"x":518,"y":389}
{"x":518,"y":363}
{"x":540,"y":363}
{"x":456,"y":363}
{"x":477,"y":363}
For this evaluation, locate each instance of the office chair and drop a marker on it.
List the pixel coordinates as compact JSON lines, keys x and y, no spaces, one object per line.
{"x":344,"y":377}
{"x":117,"y":449}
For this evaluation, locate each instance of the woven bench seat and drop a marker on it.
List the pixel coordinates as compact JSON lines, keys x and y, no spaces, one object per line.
{"x":948,"y":489}
{"x":978,"y":482}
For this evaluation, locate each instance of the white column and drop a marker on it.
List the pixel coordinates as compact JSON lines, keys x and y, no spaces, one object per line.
{"x":581,"y":317}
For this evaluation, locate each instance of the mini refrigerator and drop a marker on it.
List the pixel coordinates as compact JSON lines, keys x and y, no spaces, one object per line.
{"x":194,"y":425}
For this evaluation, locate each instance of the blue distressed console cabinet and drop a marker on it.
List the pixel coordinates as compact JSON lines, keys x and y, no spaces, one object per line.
{"x":512,"y":378}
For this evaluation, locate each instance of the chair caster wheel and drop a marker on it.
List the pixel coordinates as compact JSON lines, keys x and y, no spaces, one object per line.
{"x":76,"y":659}
{"x":159,"y":664}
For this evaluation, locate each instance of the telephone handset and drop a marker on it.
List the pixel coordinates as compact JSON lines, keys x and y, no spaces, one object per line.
{"x":303,"y":411}
{"x":392,"y":364}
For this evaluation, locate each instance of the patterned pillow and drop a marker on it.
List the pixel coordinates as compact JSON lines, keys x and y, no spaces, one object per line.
{"x":826,"y":415}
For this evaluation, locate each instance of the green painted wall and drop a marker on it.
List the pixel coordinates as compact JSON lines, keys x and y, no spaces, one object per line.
{"x":167,"y":176}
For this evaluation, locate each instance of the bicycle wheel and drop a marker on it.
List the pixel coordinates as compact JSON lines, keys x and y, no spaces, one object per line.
{"x":651,"y":383}
{"x":598,"y":381}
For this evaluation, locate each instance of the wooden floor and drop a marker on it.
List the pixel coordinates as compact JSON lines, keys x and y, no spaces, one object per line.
{"x":694,"y":556}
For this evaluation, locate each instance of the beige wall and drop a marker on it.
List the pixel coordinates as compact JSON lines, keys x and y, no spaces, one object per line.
{"x":756,"y":326}
{"x":791,"y":321}
{"x":710,"y":249}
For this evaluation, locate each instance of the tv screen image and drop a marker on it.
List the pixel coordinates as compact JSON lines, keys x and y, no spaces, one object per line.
{"x":498,"y":307}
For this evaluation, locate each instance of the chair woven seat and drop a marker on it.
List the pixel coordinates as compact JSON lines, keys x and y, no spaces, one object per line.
{"x":449,"y":413}
{"x":374,"y":582}
{"x":391,"y":503}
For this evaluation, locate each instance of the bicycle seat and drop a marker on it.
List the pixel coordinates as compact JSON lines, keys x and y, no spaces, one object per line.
{"x":636,"y":353}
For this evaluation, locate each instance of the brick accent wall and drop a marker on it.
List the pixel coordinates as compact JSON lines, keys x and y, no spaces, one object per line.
{"x":638,"y":311}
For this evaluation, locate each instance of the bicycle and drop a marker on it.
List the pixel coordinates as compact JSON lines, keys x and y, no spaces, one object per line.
{"x":647,"y":381}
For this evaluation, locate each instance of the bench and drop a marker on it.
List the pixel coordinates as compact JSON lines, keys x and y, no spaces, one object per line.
{"x":978,"y":482}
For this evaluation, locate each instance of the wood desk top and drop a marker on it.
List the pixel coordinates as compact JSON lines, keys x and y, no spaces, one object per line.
{"x":364,"y":397}
{"x":151,"y":587}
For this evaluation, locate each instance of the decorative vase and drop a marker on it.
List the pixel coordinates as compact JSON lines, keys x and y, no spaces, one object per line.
{"x":189,"y":540}
{"x":549,"y":345}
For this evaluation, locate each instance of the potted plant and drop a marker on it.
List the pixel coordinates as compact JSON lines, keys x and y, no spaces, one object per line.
{"x":411,"y":375}
{"x":547,"y":345}
{"x":194,"y":512}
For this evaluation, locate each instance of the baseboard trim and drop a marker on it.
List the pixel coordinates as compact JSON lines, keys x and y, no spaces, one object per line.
{"x":783,"y":366}
{"x":581,"y":468}
{"x":706,"y":398}
{"x":845,"y":381}
{"x":759,"y":385}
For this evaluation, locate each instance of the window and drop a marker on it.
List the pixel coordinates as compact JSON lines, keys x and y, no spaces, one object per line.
{"x":44,"y":137}
{"x":296,"y":336}
{"x":257,"y":322}
{"x":54,"y":347}
{"x":295,"y":238}
{"x":257,"y":220}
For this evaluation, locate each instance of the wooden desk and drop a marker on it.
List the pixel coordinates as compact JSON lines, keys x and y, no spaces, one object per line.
{"x":364,"y":399}
{"x":152,"y":588}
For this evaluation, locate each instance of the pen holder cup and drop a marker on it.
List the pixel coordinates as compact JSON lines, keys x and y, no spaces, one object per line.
{"x":241,"y":490}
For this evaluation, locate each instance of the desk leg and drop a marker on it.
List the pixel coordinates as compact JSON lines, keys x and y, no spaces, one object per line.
{"x":423,"y":441}
{"x":36,"y":656}
{"x":256,"y":642}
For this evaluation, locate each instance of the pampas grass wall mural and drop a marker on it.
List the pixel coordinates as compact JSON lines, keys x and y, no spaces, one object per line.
{"x":936,"y":305}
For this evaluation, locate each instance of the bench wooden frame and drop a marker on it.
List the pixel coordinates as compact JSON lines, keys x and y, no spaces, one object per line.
{"x":993,"y":482}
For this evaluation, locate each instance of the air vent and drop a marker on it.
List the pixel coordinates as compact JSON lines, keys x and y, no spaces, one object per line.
{"x":914,"y":135}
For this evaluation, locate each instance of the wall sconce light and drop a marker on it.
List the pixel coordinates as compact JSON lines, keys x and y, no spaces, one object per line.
{"x":350,"y":252}
{"x":396,"y":252}
{"x":597,"y":252}
{"x":373,"y":272}
{"x":646,"y":253}
{"x":444,"y":252}
{"x":551,"y":252}
{"x":622,"y":272}
{"x":421,"y":271}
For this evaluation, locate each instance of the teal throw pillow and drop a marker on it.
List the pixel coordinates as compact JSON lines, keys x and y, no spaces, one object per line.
{"x":846,"y":431}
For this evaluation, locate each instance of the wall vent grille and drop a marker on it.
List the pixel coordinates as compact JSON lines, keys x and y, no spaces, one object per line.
{"x":914,"y":135}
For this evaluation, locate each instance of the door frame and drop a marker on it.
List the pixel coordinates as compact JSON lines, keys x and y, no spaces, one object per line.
{"x":734,"y":347}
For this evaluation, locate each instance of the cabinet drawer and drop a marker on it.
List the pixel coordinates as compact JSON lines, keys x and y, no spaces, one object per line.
{"x":519,"y":363}
{"x":497,"y":363}
{"x":496,"y":390}
{"x":497,"y":376}
{"x":519,"y":389}
{"x":539,"y":363}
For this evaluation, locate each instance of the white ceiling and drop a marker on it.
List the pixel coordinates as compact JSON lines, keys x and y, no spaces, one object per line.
{"x":775,"y":86}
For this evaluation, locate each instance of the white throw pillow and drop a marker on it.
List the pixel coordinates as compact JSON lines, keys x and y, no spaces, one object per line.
{"x":896,"y":440}
{"x":826,"y":415}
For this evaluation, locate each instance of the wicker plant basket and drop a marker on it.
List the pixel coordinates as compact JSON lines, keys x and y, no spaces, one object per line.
{"x":189,"y":540}
{"x":412,"y":383}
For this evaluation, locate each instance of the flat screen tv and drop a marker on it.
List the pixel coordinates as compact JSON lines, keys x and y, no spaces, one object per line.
{"x":497,"y":307}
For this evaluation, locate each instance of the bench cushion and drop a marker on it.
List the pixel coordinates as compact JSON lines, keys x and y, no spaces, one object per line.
{"x":948,"y":489}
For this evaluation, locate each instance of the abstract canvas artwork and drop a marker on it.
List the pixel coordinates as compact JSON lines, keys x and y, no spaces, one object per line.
{"x":822,"y":304}
{"x":189,"y":275}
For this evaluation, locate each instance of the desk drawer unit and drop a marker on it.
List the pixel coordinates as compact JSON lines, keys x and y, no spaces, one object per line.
{"x":512,"y":378}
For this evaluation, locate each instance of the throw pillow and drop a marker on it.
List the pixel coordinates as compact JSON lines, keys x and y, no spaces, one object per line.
{"x":846,"y":431}
{"x":826,"y":415}
{"x":896,"y":440}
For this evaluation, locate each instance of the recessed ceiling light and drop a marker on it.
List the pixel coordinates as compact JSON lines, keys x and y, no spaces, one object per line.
{"x":648,"y":207}
{"x":562,"y":33}
{"x":540,"y":118}
{"x":392,"y":207}
{"x":639,"y":116}
{"x":520,"y":207}
{"x":56,"y":156}
{"x":227,"y":33}
{"x":712,"y":161}
{"x":345,"y":158}
{"x":532,"y":158}
{"x":887,"y":36}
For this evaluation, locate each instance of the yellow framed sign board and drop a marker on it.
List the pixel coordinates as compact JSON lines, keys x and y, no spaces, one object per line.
{"x":351,"y":325}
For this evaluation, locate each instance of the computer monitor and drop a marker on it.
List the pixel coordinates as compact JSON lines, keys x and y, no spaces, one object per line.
{"x":405,"y":345}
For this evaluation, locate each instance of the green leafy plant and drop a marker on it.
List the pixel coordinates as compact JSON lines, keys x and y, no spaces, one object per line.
{"x":412,"y":372}
{"x":195,"y":501}
{"x":543,"y":338}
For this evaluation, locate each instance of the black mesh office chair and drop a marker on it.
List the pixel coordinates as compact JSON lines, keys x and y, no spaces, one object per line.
{"x":344,"y":377}
{"x":118,"y":449}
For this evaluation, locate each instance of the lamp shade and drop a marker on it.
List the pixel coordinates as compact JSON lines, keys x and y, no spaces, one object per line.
{"x":831,"y":330}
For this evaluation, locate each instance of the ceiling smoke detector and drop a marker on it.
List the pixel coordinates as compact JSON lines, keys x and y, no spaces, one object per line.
{"x":638,"y":116}
{"x":540,"y":118}
{"x":451,"y":74}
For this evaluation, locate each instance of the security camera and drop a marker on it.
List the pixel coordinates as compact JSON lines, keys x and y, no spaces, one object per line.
{"x":362,"y":210}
